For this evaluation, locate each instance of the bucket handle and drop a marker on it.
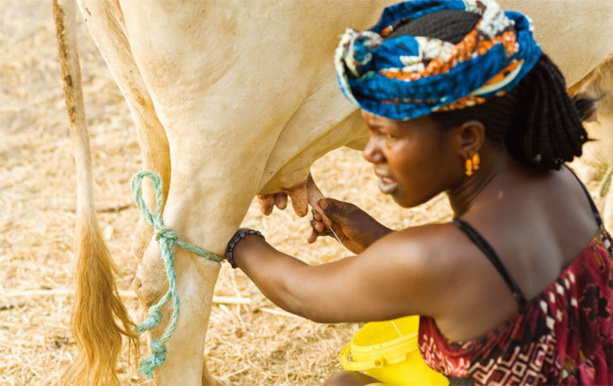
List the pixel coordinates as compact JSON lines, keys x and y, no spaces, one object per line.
{"x":358,"y":366}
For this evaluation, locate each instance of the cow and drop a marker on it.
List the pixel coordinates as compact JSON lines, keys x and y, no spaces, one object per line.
{"x":597,"y":155}
{"x":230,"y":100}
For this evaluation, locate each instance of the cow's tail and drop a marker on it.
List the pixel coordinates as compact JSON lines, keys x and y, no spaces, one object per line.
{"x":99,"y":318}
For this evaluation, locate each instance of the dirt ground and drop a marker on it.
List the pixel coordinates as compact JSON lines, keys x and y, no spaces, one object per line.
{"x":252,"y":344}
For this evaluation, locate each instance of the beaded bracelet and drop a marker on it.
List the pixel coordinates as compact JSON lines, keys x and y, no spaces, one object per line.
{"x":238,"y":236}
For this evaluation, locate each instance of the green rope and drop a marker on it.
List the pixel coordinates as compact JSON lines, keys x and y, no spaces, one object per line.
{"x":167,"y":239}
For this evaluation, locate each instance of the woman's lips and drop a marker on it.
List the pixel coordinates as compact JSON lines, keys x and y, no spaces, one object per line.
{"x":387,"y":185}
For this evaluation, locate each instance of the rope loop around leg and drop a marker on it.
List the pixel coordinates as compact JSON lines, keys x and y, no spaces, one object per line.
{"x":167,"y":239}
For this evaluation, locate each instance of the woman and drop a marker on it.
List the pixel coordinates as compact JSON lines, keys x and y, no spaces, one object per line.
{"x":516,"y":289}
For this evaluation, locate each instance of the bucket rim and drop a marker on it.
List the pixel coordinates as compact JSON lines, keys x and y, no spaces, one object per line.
{"x":406,"y":340}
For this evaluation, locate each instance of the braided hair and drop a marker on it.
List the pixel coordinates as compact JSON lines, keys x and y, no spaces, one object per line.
{"x":537,"y":122}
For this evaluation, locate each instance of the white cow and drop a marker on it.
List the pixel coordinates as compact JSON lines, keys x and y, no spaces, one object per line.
{"x":230,"y":99}
{"x":598,"y":154}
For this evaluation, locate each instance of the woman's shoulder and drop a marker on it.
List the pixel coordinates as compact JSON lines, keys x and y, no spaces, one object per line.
{"x":437,"y":258}
{"x":429,"y":244}
{"x":435,"y":252}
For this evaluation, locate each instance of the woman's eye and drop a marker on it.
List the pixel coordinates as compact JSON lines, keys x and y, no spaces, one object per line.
{"x":391,"y":137}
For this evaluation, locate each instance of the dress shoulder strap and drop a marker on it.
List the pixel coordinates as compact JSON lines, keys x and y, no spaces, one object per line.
{"x":492,"y":256}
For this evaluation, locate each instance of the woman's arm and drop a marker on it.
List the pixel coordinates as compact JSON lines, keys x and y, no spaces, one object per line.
{"x":390,"y":279}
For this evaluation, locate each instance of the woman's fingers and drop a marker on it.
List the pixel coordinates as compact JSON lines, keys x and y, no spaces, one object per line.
{"x":317,"y":226}
{"x":316,"y":222}
{"x":312,"y":237}
{"x":315,"y":234}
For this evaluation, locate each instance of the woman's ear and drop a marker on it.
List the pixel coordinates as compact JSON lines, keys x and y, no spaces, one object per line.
{"x":472,"y":134}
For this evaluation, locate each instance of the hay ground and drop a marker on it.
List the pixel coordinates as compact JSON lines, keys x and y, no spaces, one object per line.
{"x":255,"y":344}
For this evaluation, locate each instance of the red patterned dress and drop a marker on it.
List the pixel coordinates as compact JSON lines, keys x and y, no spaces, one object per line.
{"x":564,"y":335}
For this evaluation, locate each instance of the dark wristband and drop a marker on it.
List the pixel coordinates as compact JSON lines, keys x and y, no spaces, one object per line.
{"x":238,"y":236}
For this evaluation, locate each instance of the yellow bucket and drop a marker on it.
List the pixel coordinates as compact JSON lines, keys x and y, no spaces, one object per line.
{"x":388,"y":352}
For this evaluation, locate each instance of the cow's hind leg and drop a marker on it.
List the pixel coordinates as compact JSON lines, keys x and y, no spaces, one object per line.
{"x":106,"y":25}
{"x":196,"y":276}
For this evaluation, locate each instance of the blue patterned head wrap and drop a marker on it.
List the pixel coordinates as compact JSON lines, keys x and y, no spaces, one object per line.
{"x":406,"y":77}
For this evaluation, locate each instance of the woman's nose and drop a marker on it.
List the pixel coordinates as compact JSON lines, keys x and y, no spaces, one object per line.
{"x":372,"y":152}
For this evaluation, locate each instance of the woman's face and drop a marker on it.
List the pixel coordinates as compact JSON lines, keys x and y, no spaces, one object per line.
{"x":413,"y":159}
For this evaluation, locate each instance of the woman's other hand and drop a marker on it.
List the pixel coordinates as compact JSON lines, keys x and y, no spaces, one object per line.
{"x":354,"y":228}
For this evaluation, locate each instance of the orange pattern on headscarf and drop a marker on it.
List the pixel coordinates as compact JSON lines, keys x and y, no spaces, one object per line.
{"x":472,"y":100}
{"x":472,"y":45}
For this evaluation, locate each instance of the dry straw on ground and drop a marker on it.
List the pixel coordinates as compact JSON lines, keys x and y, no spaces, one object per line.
{"x":248,"y":344}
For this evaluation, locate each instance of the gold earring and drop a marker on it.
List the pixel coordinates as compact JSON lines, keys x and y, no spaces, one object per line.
{"x":469,"y":167}
{"x":476,"y":161}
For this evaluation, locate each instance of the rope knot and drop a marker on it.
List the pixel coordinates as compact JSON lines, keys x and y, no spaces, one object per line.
{"x":158,"y":348}
{"x":158,"y":357}
{"x":164,"y":233}
{"x":155,"y":316}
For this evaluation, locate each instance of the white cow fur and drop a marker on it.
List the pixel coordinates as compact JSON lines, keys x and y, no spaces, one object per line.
{"x":235,"y":98}
{"x":597,"y":156}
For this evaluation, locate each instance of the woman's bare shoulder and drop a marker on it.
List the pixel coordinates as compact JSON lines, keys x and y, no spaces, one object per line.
{"x":434,"y":259}
{"x":427,"y":244}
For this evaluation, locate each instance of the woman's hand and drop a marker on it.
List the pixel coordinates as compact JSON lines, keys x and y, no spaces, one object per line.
{"x":355,"y":228}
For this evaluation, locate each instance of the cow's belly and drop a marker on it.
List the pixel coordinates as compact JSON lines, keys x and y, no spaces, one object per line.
{"x":575,"y":34}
